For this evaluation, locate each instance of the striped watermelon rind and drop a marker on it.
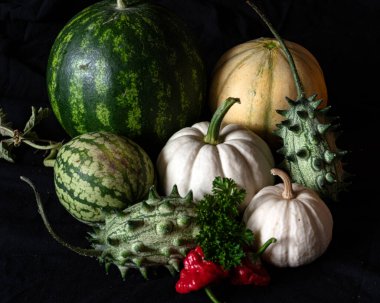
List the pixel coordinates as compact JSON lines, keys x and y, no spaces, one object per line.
{"x":98,"y":172}
{"x":134,"y":72}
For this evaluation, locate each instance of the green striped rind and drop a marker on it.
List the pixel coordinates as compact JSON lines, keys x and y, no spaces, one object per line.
{"x":158,"y":231}
{"x":134,"y":72}
{"x":99,"y":172}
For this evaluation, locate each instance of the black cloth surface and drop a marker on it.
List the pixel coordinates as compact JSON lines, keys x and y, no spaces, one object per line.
{"x":343,"y":36}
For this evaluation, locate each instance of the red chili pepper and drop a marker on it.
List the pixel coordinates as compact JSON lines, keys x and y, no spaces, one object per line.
{"x":198,"y":272}
{"x":250,"y":272}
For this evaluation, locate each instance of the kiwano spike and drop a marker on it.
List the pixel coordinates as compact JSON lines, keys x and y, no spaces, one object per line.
{"x":279,"y":128}
{"x":322,"y":128}
{"x":341,"y":153}
{"x":138,"y":261}
{"x":171,"y":269}
{"x":315,"y":104}
{"x":282,"y":112}
{"x":290,"y":101}
{"x":107,"y":267}
{"x":183,"y":251}
{"x":165,"y":251}
{"x":278,"y":131}
{"x":176,"y":264}
{"x":123,"y":271}
{"x":329,"y":156}
{"x":321,"y":182}
{"x":189,"y":197}
{"x":330,"y":178}
{"x":153,"y":194}
{"x":144,"y":272}
{"x":325,"y":110}
{"x":174,"y":193}
{"x":312,"y":97}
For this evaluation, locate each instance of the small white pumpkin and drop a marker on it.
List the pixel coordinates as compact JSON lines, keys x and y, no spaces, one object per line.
{"x":294,"y":215}
{"x":194,"y":156}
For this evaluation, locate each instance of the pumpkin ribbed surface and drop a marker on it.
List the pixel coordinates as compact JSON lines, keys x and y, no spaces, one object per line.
{"x":190,"y":163}
{"x":302,"y":225}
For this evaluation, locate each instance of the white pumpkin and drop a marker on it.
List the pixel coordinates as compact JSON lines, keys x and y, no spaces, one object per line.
{"x":194,"y":156}
{"x":294,"y":215}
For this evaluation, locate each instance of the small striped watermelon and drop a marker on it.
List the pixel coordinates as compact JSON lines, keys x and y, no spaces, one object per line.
{"x":99,"y":172}
{"x":133,"y":71}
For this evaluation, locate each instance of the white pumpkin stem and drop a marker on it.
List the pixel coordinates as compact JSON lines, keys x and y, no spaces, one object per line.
{"x":212,"y":136}
{"x":297,"y":80}
{"x":288,"y":191}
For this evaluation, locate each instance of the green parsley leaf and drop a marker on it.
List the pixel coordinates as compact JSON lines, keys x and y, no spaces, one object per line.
{"x":222,"y":235}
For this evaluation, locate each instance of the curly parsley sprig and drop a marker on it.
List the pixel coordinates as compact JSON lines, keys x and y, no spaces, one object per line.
{"x":222,"y":235}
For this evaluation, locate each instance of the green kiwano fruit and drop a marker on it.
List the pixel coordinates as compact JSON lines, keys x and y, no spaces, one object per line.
{"x":100,"y":171}
{"x":310,"y":153}
{"x":311,"y":156}
{"x":131,"y":69}
{"x":158,"y":231}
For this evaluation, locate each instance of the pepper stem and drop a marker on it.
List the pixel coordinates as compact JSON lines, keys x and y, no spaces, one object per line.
{"x":263,"y":247}
{"x":212,"y":136}
{"x":211,"y":295}
{"x":297,"y":80}
{"x":81,"y":251}
{"x":288,"y":193}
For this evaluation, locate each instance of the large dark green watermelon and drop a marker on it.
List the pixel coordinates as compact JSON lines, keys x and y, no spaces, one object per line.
{"x":133,"y":71}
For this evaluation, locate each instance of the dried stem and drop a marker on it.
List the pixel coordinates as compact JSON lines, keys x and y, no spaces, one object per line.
{"x":288,"y":193}
{"x":297,"y":80}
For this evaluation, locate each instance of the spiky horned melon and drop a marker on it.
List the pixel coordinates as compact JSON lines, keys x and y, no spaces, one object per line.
{"x":157,"y":231}
{"x":310,"y":155}
{"x":309,"y":148}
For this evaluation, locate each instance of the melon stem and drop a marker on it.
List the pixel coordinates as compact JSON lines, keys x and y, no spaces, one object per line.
{"x":212,"y":136}
{"x":81,"y":251}
{"x":288,"y":193}
{"x":123,"y":4}
{"x":297,"y":80}
{"x":43,"y":147}
{"x":120,"y":4}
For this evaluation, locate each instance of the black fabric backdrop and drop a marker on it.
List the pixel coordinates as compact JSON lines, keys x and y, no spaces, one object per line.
{"x":343,"y":35}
